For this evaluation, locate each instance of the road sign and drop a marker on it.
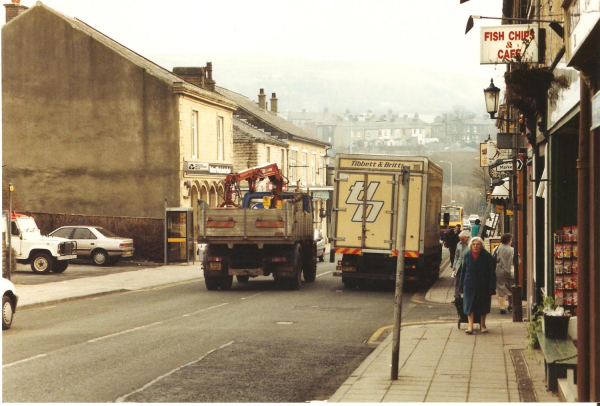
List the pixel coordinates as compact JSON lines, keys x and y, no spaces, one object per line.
{"x":507,"y":165}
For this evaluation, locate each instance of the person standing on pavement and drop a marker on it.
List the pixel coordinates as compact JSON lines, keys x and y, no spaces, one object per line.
{"x":451,"y":240}
{"x":461,"y":249}
{"x":504,"y":259}
{"x":477,"y":283}
{"x":475,"y":228}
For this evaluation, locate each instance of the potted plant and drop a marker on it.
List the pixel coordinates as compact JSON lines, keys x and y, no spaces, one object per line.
{"x":555,"y":321}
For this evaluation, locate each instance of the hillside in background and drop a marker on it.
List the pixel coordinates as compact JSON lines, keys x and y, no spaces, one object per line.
{"x":315,"y":85}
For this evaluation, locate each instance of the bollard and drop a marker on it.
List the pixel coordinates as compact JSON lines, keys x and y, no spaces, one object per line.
{"x":516,"y":303}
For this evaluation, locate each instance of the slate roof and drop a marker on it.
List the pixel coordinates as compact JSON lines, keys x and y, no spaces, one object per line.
{"x":250,"y":133}
{"x":149,"y":66}
{"x":268,"y":117}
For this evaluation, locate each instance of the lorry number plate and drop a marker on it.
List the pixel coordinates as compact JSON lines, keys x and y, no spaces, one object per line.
{"x":214,"y":266}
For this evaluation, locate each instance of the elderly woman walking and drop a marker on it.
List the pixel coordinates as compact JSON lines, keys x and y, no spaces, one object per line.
{"x":477,"y":283}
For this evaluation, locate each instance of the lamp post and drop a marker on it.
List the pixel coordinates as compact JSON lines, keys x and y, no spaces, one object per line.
{"x":492,"y":94}
{"x":448,"y":162}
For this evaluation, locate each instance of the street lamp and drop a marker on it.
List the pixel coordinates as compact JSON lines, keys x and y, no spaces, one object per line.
{"x":491,"y":94}
{"x":448,"y":162}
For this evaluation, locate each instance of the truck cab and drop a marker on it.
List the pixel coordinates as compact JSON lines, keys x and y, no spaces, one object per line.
{"x":43,"y":253}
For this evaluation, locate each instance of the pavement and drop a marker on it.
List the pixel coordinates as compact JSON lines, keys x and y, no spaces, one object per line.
{"x":438,"y":362}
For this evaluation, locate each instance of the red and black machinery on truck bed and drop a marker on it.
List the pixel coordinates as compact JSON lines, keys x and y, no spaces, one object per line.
{"x":266,"y":233}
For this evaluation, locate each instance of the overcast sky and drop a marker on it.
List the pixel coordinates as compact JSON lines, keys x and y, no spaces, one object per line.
{"x":424,"y":34}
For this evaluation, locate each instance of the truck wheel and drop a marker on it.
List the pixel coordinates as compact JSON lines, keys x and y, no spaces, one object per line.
{"x":7,"y":312}
{"x":294,"y":283}
{"x":310,"y":271}
{"x":41,"y":263}
{"x":100,"y":258}
{"x":211,"y":283}
{"x":350,"y":283}
{"x":60,"y":266}
{"x":226,"y":282}
{"x":242,"y":278}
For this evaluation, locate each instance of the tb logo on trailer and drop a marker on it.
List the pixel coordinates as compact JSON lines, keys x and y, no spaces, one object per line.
{"x":356,"y":197}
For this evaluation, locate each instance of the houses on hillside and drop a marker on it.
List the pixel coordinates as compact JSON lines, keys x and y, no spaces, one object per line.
{"x":370,"y":132}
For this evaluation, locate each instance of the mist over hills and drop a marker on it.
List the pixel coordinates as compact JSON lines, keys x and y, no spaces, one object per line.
{"x":340,"y":85}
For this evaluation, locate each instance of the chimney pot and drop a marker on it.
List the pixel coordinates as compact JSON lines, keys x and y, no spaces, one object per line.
{"x":262,"y":99}
{"x":14,"y":10}
{"x":274,"y":103}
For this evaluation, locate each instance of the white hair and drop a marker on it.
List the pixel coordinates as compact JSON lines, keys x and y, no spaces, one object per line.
{"x":476,"y":239}
{"x":465,"y":233}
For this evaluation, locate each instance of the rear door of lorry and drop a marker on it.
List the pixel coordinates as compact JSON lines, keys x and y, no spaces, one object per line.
{"x":365,"y":210}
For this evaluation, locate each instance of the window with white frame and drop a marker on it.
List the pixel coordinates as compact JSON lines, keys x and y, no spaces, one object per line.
{"x":268,"y":154}
{"x":220,"y":139}
{"x":282,"y":166}
{"x":323,"y":170}
{"x":194,"y":134}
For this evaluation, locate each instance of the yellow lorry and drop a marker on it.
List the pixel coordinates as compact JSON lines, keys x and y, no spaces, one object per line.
{"x":366,"y":216}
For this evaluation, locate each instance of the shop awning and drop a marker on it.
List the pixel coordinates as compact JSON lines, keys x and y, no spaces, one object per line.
{"x":500,"y":192}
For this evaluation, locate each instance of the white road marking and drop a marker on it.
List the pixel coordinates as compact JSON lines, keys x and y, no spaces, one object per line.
{"x":23,"y":360}
{"x":123,"y":398}
{"x":95,"y":340}
{"x":324,"y":273}
{"x":153,"y":324}
{"x":261,"y":293}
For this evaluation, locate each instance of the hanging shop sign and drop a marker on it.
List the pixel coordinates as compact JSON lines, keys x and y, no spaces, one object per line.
{"x":207,"y":168}
{"x":510,"y":44}
{"x":483,"y":161}
{"x":581,"y":17}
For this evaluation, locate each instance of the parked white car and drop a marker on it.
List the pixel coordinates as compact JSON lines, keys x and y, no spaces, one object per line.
{"x":320,"y":245}
{"x":10,"y":299}
{"x":97,"y":243}
{"x":44,"y":253}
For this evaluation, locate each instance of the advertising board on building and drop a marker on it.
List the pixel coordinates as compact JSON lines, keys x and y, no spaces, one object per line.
{"x":510,"y":44}
{"x":203,"y":168}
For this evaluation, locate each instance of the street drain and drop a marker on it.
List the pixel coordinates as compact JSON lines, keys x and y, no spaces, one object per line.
{"x":526,"y":392}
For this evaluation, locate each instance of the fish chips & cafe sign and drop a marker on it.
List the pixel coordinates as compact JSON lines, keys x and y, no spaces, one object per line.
{"x":510,"y":44}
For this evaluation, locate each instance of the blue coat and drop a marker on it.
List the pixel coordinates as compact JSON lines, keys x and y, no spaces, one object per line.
{"x":478,"y":280}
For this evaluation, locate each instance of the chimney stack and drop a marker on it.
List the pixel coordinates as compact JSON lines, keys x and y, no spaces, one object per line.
{"x":274,"y":103}
{"x":192,"y":75}
{"x":210,"y":83}
{"x":14,"y":10}
{"x":262,"y":99}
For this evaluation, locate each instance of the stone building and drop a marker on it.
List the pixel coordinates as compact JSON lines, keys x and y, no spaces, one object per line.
{"x":90,"y":127}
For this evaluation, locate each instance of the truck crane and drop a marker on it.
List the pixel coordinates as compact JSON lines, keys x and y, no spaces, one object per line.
{"x":253,"y":176}
{"x":247,"y":243}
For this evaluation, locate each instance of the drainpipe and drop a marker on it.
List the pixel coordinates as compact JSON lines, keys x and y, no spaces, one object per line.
{"x":585,"y":289}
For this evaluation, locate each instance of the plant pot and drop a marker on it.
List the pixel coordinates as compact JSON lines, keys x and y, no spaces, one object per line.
{"x":556,"y":326}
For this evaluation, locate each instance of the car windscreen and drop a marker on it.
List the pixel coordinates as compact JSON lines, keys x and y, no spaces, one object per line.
{"x":105,"y":232}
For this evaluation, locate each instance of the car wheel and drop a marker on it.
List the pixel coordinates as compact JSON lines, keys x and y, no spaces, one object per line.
{"x":7,"y":312}
{"x":322,"y":258}
{"x":60,"y":266}
{"x":100,"y":258}
{"x":41,"y":263}
{"x":242,"y":278}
